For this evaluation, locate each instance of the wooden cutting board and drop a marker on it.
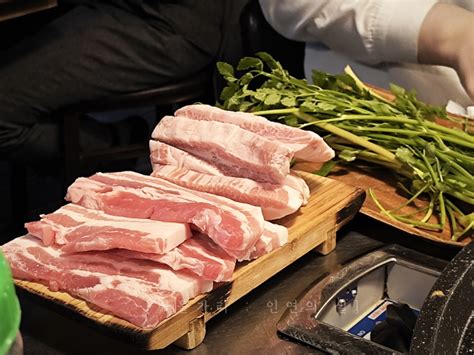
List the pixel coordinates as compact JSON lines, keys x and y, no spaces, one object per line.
{"x":331,"y":205}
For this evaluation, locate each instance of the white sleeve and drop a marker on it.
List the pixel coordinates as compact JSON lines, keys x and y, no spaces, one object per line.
{"x":372,"y":31}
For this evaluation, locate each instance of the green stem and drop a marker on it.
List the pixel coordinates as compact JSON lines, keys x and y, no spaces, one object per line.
{"x":396,"y":140}
{"x":453,"y":206}
{"x":415,"y":212}
{"x":362,"y":86}
{"x":412,"y":222}
{"x":429,"y":213}
{"x":460,"y":196}
{"x":413,"y":198}
{"x":439,"y":170}
{"x":281,"y":111}
{"x":381,"y":129}
{"x":465,"y":138}
{"x":462,"y":157}
{"x":455,"y":165}
{"x":454,"y":180}
{"x":442,"y":208}
{"x":452,"y":220}
{"x":433,"y":175}
{"x":411,"y":133}
{"x":361,"y":153}
{"x":463,"y":135}
{"x":349,"y":136}
{"x":454,"y":140}
{"x":456,"y":236}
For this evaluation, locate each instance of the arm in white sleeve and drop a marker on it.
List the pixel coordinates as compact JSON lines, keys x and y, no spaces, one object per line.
{"x":372,"y":31}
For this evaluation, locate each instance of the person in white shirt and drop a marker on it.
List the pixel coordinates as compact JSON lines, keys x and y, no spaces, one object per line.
{"x":424,"y":45}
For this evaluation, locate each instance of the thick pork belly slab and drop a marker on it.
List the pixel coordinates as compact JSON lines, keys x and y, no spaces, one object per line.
{"x":165,"y":154}
{"x":141,"y":292}
{"x":206,"y":259}
{"x":235,"y":151}
{"x":276,"y":200}
{"x":199,"y":254}
{"x":306,"y":145}
{"x":81,"y":229}
{"x":232,"y":225}
{"x":294,"y":181}
{"x":273,"y":237}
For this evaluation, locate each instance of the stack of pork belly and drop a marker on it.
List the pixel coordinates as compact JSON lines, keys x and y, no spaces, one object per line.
{"x":142,"y":246}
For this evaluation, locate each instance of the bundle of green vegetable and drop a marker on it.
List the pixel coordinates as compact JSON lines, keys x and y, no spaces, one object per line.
{"x":431,"y":160}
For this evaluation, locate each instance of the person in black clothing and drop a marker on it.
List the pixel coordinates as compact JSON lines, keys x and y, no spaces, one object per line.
{"x":100,"y":49}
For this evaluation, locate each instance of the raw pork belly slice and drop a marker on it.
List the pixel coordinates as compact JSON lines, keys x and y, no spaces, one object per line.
{"x":234,"y":226}
{"x":294,"y":181}
{"x":165,"y":154}
{"x":81,"y":229}
{"x":206,"y":259}
{"x":276,"y":200}
{"x":235,"y":151}
{"x":199,"y":254}
{"x":141,"y":292}
{"x":273,"y":237}
{"x":306,"y":145}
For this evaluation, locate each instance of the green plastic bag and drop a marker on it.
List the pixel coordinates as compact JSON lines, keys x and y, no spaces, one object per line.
{"x":9,"y":308}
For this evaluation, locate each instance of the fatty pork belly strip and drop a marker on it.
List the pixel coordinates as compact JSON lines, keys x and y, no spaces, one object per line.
{"x":165,"y":154}
{"x":235,"y":151}
{"x":273,"y":237}
{"x":306,"y":145}
{"x":199,"y":255}
{"x":81,"y":229}
{"x":276,"y":200}
{"x":232,"y":225}
{"x":206,"y":259}
{"x":140,"y":292}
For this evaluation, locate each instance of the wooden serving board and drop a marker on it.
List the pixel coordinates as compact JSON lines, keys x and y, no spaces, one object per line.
{"x":384,"y":184}
{"x":331,"y":205}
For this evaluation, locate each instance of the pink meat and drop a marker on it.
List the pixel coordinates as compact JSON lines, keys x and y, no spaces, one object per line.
{"x":273,"y":237}
{"x":141,"y":292}
{"x":81,"y":229}
{"x":164,"y":154}
{"x":232,"y":225}
{"x":207,"y":260}
{"x":294,"y":181}
{"x":306,"y":145}
{"x":199,"y":254}
{"x":276,"y":200}
{"x":235,"y":151}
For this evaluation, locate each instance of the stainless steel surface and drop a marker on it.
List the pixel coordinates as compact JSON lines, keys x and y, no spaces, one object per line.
{"x":326,"y":326}
{"x":416,"y":282}
{"x":248,"y":326}
{"x":370,"y":292}
{"x":346,"y":298}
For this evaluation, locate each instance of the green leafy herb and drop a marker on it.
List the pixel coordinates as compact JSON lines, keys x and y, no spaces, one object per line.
{"x":430,"y":159}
